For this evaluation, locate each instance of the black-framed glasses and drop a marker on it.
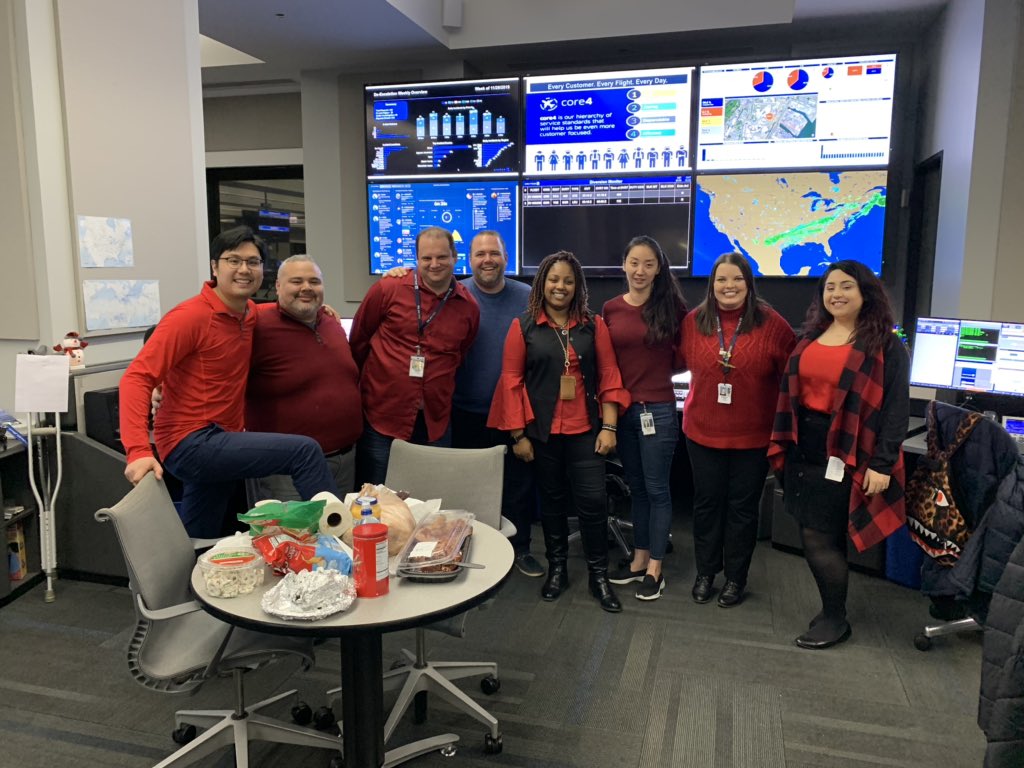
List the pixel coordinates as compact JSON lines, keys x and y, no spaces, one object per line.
{"x":235,"y":262}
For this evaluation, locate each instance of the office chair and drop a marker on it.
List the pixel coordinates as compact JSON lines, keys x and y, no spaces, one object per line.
{"x":463,"y":478}
{"x":618,"y":492}
{"x":176,"y":646}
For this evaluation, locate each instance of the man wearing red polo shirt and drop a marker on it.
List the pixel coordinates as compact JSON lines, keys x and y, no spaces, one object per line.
{"x":409,"y":336}
{"x":199,"y":354}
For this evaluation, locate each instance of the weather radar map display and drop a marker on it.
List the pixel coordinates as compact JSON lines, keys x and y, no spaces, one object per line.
{"x":608,"y":123}
{"x":442,"y":129}
{"x":399,"y":211}
{"x":811,"y":113}
{"x":792,"y":224}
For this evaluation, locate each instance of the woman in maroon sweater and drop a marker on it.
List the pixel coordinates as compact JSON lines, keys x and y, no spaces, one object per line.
{"x":735,"y":346}
{"x":645,"y":324}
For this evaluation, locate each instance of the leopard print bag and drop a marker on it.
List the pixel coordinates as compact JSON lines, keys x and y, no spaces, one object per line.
{"x":934,"y":521}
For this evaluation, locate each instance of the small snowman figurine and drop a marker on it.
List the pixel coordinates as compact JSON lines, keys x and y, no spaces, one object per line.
{"x":73,"y":346}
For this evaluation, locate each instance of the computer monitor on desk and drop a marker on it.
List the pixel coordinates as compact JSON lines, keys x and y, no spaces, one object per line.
{"x":970,"y":356}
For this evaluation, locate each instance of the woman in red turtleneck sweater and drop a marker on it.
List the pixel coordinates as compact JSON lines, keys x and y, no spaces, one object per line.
{"x":735,"y":346}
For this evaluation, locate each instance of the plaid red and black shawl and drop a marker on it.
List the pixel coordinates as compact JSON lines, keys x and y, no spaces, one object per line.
{"x":858,"y":409}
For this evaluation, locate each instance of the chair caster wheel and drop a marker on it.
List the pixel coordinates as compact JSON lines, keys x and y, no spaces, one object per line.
{"x":922,"y":642}
{"x":336,"y":762}
{"x":492,"y":746}
{"x":302,"y":714}
{"x":448,"y":750}
{"x":184,"y":733}
{"x":323,"y":719}
{"x":397,"y":664}
{"x":490,"y":685}
{"x":669,"y":548}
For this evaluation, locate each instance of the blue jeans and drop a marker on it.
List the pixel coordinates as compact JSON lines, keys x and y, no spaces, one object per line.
{"x":647,"y":461}
{"x":374,"y":450}
{"x":210,"y":461}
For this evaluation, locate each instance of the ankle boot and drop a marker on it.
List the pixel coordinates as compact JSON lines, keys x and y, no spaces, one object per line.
{"x":601,"y":588}
{"x":556,"y":582}
{"x":556,"y":548}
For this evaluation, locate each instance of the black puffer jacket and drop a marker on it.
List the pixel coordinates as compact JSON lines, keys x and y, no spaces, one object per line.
{"x":1001,"y":707}
{"x":987,"y":479}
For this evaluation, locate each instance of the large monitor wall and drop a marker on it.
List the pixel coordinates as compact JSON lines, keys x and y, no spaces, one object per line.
{"x":785,"y":161}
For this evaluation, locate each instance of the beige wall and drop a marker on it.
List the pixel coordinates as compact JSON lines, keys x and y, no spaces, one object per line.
{"x":267,"y":121}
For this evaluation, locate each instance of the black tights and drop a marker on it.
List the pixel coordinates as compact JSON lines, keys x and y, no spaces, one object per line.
{"x":826,"y":556}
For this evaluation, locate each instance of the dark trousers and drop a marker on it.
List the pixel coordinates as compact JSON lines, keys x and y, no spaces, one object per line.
{"x":570,"y":479}
{"x":210,"y":461}
{"x":374,"y":450}
{"x":727,"y":486}
{"x":518,"y":497}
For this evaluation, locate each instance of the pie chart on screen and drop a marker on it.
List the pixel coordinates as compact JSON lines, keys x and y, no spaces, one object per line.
{"x":797,"y":80}
{"x":827,"y":72}
{"x":763,"y":81}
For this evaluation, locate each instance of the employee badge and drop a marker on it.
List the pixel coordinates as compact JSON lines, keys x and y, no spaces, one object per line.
{"x":416,"y":365}
{"x":566,"y":387}
{"x":836,"y":469}
{"x":647,"y":423}
{"x":725,"y":393}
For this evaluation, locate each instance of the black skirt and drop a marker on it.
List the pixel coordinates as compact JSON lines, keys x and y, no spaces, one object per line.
{"x":816,"y":503}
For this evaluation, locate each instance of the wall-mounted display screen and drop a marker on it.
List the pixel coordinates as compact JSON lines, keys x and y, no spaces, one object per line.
{"x":790,"y":224}
{"x":608,"y":122}
{"x":446,"y":128}
{"x":970,"y":355}
{"x":805,"y":113}
{"x":595,"y":218}
{"x":398,"y":211}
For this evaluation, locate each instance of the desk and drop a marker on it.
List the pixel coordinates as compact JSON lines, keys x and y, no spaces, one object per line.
{"x":407,"y":605}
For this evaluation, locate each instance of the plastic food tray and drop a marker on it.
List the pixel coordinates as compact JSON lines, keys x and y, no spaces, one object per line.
{"x":437,"y":577}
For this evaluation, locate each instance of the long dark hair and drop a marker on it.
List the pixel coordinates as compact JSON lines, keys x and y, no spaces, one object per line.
{"x":875,"y":320}
{"x":578,"y":307}
{"x":753,"y":314}
{"x":664,"y":307}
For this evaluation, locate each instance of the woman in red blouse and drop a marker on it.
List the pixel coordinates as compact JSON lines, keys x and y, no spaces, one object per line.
{"x":735,"y":346}
{"x":559,"y":398}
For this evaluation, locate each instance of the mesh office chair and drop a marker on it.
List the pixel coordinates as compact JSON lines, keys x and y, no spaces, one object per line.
{"x":177,"y":646}
{"x":462,"y":478}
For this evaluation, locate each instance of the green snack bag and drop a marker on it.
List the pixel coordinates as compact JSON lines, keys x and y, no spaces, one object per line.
{"x":299,"y":516}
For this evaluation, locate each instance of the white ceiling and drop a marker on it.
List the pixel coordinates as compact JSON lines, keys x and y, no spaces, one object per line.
{"x":374,"y":35}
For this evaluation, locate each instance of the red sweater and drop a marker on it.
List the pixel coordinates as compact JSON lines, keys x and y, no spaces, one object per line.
{"x":384,"y":339}
{"x":200,"y":353}
{"x":646,"y":370}
{"x":303,"y":381}
{"x":759,"y":356}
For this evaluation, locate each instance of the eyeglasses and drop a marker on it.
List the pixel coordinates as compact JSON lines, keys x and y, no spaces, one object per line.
{"x":234,"y":262}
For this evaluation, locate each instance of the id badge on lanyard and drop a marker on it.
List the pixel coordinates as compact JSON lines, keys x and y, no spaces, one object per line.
{"x":725,"y":360}
{"x":647,"y":423}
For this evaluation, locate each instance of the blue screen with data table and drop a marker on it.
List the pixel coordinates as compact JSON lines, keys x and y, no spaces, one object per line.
{"x":398,"y":211}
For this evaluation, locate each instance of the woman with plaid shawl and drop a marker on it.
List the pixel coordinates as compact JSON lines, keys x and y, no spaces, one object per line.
{"x":839,"y":424}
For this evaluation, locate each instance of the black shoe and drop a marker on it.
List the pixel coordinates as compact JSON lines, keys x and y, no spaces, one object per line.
{"x":731,"y":595}
{"x":528,"y":565}
{"x":602,"y":590}
{"x":650,"y":588}
{"x":825,"y":634}
{"x":702,"y":588}
{"x":556,"y":583}
{"x":624,"y":574}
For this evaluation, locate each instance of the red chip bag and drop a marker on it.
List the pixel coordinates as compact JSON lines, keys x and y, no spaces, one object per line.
{"x":286,"y":552}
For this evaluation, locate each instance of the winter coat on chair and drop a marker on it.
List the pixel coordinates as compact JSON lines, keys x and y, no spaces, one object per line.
{"x":987,"y":479}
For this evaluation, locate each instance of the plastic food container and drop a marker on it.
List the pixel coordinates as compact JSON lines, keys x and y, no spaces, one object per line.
{"x":232,"y":572}
{"x":437,"y":546}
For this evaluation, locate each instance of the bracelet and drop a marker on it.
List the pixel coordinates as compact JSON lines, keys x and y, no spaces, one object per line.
{"x":515,"y":440}
{"x":610,"y":427}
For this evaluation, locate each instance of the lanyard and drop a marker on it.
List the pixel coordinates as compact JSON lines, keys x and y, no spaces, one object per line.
{"x":725,"y":355}
{"x":420,"y":323}
{"x":559,"y":333}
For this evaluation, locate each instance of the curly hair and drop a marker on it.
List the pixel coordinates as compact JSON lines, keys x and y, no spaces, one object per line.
{"x":579,"y":310}
{"x":664,"y":308}
{"x":875,"y":320}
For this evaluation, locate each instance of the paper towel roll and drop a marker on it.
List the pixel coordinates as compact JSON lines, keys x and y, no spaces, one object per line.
{"x":336,"y":519}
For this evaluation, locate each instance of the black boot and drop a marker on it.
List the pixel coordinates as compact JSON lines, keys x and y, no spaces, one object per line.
{"x":594,"y":535}
{"x":556,"y":545}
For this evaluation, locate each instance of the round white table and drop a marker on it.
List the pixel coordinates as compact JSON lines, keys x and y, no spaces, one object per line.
{"x":406,"y":605}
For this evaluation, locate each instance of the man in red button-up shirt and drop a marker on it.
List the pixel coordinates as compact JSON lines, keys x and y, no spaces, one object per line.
{"x":409,"y":336}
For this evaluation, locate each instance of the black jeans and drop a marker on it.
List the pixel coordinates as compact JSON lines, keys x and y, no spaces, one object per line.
{"x":727,"y":488}
{"x":570,"y":478}
{"x":518,"y":496}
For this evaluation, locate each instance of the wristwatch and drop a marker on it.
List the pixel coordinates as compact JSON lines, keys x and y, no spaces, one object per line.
{"x":515,"y":439}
